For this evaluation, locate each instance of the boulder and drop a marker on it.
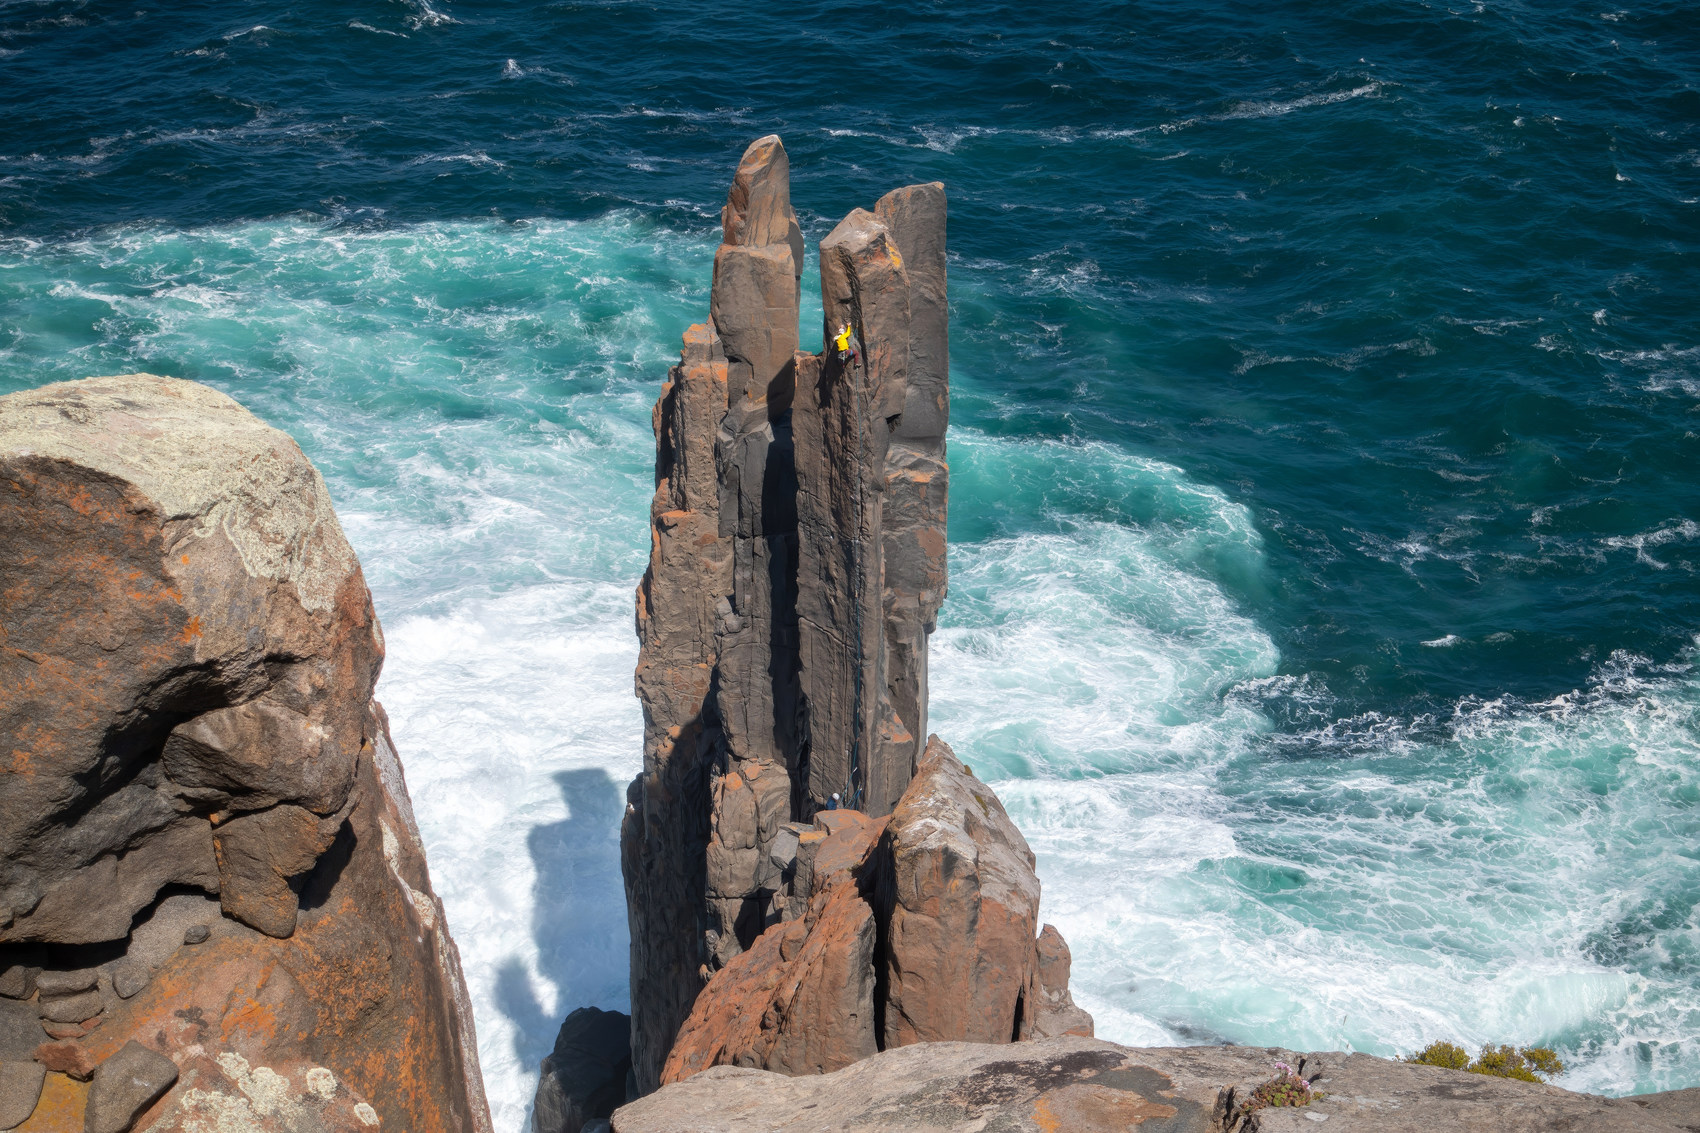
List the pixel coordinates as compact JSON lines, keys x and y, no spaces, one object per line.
{"x":584,"y":1077}
{"x":1089,"y":1086}
{"x":124,"y":1086}
{"x":71,"y":1008}
{"x":964,"y":912}
{"x":1054,"y":1012}
{"x":214,"y":594}
{"x":20,"y":1090}
{"x":17,"y":981}
{"x":940,"y":896}
{"x":128,"y":977}
{"x":202,"y":795}
{"x":67,"y":1056}
{"x":800,"y":1000}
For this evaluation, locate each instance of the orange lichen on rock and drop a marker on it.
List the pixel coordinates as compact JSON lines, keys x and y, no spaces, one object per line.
{"x":186,"y":668}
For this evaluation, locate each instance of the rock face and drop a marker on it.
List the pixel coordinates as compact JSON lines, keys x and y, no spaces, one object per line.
{"x":207,"y":842}
{"x":801,"y":999}
{"x":796,"y":568}
{"x":1087,"y":1086}
{"x":918,"y":927}
{"x":962,"y":958}
{"x":584,"y":1077}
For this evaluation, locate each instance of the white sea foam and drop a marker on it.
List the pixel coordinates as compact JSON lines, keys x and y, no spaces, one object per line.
{"x":478,"y":395}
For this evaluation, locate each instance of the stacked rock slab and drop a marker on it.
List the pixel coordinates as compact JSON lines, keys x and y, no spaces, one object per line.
{"x":207,"y":844}
{"x":919,"y":927}
{"x":796,"y":568}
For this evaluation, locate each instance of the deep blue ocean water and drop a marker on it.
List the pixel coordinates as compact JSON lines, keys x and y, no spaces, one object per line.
{"x":1326,"y":518}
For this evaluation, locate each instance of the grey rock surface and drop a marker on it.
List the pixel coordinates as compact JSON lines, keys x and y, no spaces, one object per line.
{"x":20,"y":1030}
{"x":125,"y":1085}
{"x":1085,"y":1085}
{"x":1680,"y":1108}
{"x":71,"y":1008}
{"x":20,"y":1089}
{"x":584,"y":1078}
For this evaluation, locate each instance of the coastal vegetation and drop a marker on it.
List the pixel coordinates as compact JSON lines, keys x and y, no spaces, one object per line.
{"x":1526,"y":1064}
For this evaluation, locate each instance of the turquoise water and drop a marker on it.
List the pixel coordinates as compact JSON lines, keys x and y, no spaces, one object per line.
{"x":1327,"y":403}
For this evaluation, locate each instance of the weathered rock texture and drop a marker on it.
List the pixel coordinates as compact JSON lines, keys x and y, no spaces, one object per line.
{"x":801,"y":999}
{"x":584,"y":1077}
{"x":796,"y":568}
{"x":917,"y":927}
{"x":207,"y":844}
{"x":1075,"y":1085}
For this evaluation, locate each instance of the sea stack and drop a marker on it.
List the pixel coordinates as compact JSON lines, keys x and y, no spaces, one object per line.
{"x":796,"y":570}
{"x":214,"y":903}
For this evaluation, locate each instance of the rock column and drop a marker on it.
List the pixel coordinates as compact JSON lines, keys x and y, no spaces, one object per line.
{"x":796,"y":568}
{"x":872,"y":486}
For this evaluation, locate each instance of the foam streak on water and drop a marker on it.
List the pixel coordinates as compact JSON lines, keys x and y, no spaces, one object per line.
{"x":1324,"y":533}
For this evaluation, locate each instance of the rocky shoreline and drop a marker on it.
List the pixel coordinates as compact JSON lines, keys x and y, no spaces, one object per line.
{"x":215,"y":910}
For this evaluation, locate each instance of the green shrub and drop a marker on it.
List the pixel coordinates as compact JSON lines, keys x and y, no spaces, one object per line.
{"x":1450,"y":1055}
{"x":1287,"y":1088}
{"x":1529,"y":1064}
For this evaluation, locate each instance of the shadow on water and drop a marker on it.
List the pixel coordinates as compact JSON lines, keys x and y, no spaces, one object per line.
{"x":579,"y":918}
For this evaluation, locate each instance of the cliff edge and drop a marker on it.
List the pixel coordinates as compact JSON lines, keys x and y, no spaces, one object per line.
{"x":215,"y":910}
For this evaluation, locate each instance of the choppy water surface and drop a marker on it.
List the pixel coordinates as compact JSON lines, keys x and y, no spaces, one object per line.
{"x":1325,"y":531}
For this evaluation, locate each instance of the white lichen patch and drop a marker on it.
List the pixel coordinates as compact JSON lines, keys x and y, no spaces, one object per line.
{"x":366,"y":1114}
{"x":424,"y":907}
{"x":321,"y":1083}
{"x":203,"y":459}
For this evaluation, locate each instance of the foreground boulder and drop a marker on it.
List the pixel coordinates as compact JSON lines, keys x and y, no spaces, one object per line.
{"x":1086,"y":1086}
{"x":209,"y":856}
{"x":939,"y":897}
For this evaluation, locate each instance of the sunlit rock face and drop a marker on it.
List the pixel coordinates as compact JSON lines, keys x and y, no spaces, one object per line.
{"x":210,"y":859}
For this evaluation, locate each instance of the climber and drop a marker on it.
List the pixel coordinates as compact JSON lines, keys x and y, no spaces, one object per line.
{"x":832,"y":803}
{"x":846,"y":344}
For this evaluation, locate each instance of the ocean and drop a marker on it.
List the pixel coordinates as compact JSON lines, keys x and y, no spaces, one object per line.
{"x":1325,"y":526}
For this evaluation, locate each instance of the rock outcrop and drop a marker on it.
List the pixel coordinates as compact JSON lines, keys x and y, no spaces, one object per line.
{"x":584,"y":1077}
{"x":209,"y":857}
{"x":919,"y":927}
{"x":801,"y":1000}
{"x":1087,"y":1086}
{"x":796,"y":568}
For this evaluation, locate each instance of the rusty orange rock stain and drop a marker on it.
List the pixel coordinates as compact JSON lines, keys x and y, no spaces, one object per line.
{"x":60,"y":1109}
{"x":191,"y":630}
{"x":1084,"y":1106}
